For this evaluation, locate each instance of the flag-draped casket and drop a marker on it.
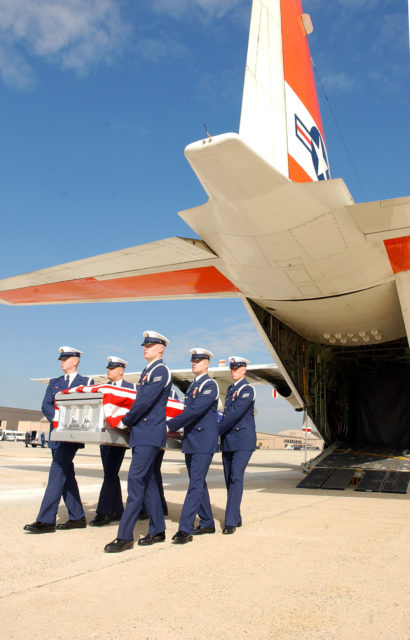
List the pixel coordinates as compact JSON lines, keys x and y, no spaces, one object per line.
{"x":93,"y":414}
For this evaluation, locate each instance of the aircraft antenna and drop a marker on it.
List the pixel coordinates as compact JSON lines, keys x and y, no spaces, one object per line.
{"x":208,"y":135}
{"x":339,"y":129}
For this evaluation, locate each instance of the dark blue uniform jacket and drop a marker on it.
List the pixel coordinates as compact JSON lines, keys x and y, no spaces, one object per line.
{"x":126,"y":385}
{"x":199,"y":417}
{"x":237,"y":427}
{"x":147,"y":414}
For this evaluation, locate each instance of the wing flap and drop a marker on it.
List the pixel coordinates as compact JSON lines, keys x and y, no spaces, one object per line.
{"x":382,"y":219}
{"x":172,"y":268}
{"x":137,"y":260}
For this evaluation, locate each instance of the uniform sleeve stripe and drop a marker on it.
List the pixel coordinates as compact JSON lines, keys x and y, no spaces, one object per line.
{"x":251,"y":387}
{"x":161,"y":364}
{"x":209,"y":380}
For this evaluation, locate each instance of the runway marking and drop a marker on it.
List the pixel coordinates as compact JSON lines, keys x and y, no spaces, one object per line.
{"x":24,"y":494}
{"x":136,"y":558}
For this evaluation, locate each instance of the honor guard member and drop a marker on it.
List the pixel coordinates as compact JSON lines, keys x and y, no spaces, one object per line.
{"x":238,"y":439}
{"x":158,"y":462}
{"x":110,"y":506}
{"x":61,"y":479}
{"x":199,"y":443}
{"x":147,"y":421}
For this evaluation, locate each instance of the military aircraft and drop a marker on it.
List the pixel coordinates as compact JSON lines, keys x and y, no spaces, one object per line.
{"x":326,"y":281}
{"x":256,"y":374}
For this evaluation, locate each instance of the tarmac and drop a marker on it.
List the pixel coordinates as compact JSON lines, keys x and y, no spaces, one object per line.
{"x":305,"y":565}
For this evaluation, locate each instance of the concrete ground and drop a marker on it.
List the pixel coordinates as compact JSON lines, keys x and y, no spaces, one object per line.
{"x":307,"y":564}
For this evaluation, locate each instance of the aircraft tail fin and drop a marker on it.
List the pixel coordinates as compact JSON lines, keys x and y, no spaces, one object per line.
{"x":280,"y":117}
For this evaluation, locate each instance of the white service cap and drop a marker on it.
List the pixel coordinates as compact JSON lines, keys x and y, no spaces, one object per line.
{"x":114,"y":362}
{"x":199,"y":353}
{"x":67,"y":352}
{"x":237,"y":361}
{"x":152,"y":337}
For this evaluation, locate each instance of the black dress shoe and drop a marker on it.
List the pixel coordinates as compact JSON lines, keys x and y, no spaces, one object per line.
{"x":181,"y":537}
{"x":100,"y":520}
{"x":149,"y":539}
{"x":115,"y":517}
{"x":40,"y":527}
{"x":198,"y":531}
{"x":229,"y":529}
{"x":73,"y":524}
{"x":118,"y":545}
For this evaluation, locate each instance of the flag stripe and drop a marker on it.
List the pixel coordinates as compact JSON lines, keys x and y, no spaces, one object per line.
{"x":116,"y":402}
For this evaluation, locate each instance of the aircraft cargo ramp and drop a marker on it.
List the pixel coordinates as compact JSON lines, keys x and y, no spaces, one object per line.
{"x":381,"y":469}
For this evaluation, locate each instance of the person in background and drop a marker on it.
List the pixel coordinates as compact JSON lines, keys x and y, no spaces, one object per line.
{"x":61,"y":479}
{"x":199,"y":443}
{"x":238,"y":439}
{"x":110,"y":506}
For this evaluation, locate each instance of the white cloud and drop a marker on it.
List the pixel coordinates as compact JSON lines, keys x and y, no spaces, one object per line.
{"x":359,"y":4}
{"x":79,"y":34}
{"x":13,"y":67}
{"x":75,"y":34}
{"x":339,"y":82}
{"x":208,"y":8}
{"x":235,"y":339}
{"x":158,"y":48}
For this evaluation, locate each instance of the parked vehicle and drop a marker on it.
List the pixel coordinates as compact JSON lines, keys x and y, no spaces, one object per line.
{"x":10,"y":434}
{"x":36,"y":439}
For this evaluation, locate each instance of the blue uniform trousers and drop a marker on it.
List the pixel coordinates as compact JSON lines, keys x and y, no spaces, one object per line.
{"x":197,"y":498}
{"x":61,"y":482}
{"x":235,"y":463}
{"x":110,"y":500}
{"x":142,"y":488}
{"x":158,"y":475}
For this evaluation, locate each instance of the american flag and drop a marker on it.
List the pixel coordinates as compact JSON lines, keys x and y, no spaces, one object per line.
{"x":116,"y":402}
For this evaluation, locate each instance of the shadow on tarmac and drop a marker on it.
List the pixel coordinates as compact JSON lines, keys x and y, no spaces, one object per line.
{"x":141,"y":527}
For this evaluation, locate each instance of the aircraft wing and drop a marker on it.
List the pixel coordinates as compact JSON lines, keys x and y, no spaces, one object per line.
{"x":388,"y":221}
{"x":256,"y":374}
{"x":166,"y":269}
{"x":382,"y":219}
{"x":182,"y":378}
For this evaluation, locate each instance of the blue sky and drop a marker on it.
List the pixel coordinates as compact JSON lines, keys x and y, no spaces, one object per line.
{"x":98,"y":99}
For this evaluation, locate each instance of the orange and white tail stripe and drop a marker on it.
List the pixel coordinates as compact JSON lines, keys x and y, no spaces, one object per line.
{"x":280,"y":116}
